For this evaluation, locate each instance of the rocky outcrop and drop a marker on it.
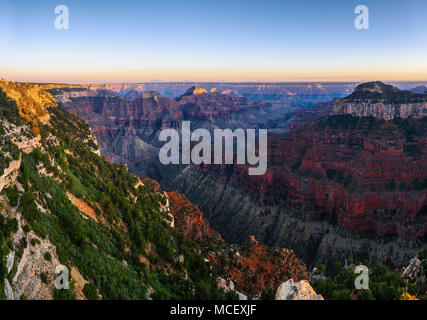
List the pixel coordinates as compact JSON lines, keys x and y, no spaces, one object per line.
{"x":27,"y":145}
{"x":227,"y":286}
{"x":376,"y":99}
{"x":85,"y":209}
{"x":189,"y":219}
{"x":416,"y":271}
{"x":27,"y":281}
{"x":291,"y":290}
{"x":10,"y":174}
{"x":259,"y":268}
{"x":194,"y":91}
{"x":8,"y":291}
{"x":30,"y":263}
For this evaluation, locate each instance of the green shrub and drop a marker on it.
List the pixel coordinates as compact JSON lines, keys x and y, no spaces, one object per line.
{"x":47,"y":256}
{"x":44,"y":278}
{"x":13,"y":196}
{"x":90,"y":292}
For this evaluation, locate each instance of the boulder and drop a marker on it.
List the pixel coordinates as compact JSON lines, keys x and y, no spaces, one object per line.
{"x":291,"y":290}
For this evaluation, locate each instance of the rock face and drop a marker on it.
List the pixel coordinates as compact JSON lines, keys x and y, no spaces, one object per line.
{"x":376,"y":99}
{"x":10,"y":174}
{"x":11,"y":163}
{"x":302,"y":290}
{"x":28,"y":268}
{"x":8,"y":291}
{"x":228,"y":286}
{"x":341,"y":186}
{"x":27,"y":280}
{"x":416,"y":271}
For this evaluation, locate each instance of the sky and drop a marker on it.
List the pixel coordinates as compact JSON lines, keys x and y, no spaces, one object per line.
{"x":217,"y":40}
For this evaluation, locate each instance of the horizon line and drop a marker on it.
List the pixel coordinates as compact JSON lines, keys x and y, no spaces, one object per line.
{"x":211,"y":81}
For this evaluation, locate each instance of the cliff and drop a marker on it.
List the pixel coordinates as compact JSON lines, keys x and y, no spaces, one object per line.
{"x":376,"y":99}
{"x":31,"y":100}
{"x":333,"y":188}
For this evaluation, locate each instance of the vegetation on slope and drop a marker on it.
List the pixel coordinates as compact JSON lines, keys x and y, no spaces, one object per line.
{"x":384,"y":283}
{"x":132,"y":252}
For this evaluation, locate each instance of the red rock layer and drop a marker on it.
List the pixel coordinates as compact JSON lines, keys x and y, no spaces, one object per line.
{"x":189,"y":219}
{"x":365,"y":174}
{"x":260,"y":268}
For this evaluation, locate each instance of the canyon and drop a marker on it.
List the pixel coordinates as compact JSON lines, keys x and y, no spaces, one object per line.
{"x":61,"y":203}
{"x":346,"y":177}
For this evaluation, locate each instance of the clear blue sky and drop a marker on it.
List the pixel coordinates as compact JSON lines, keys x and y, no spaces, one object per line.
{"x":112,"y":40}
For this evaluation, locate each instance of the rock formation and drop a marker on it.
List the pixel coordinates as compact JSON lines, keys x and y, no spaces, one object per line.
{"x":10,"y":174}
{"x":301,"y":290}
{"x":376,"y":99}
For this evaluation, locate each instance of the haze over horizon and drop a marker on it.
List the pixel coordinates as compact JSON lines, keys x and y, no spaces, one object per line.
{"x":239,"y":41}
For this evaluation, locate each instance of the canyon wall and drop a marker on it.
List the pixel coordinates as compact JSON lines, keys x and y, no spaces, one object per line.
{"x":376,"y":99}
{"x":339,"y":184}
